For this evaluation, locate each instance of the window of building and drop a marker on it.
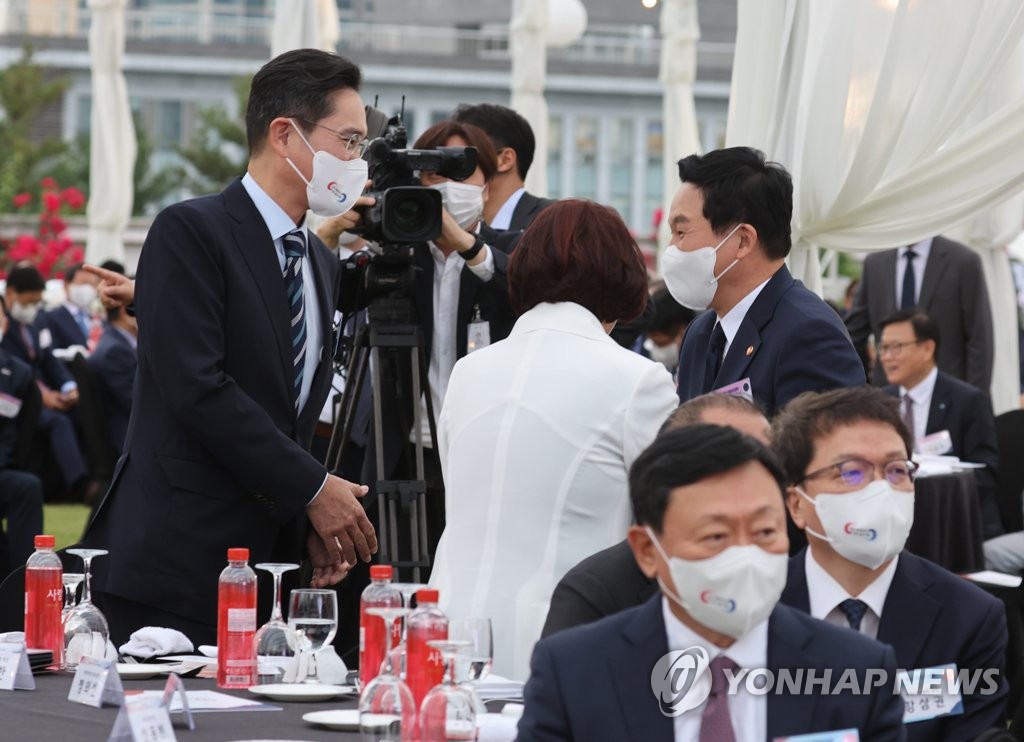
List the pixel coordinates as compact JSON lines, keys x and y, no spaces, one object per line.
{"x":620,"y":159}
{"x":585,"y":175}
{"x":554,"y":163}
{"x":654,"y":186}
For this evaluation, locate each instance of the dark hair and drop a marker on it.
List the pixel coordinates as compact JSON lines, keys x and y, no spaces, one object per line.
{"x":505,"y":127}
{"x":113,"y":265}
{"x":925,"y":328}
{"x":692,"y":411}
{"x":739,"y":186}
{"x":25,"y":278}
{"x":579,"y":251}
{"x":687,"y":455}
{"x":439,"y":134}
{"x":297,"y":83}
{"x":813,"y":415}
{"x":669,"y":315}
{"x":69,"y":274}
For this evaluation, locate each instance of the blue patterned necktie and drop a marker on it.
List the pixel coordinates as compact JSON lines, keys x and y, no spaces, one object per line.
{"x":294,"y":252}
{"x":854,"y":611}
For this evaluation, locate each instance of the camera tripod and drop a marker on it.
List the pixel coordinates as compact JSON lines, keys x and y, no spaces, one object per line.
{"x":390,"y":333}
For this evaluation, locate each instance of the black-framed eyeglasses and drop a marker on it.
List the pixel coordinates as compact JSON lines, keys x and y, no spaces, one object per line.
{"x":353,"y":143}
{"x":895,"y":348}
{"x":858,"y":472}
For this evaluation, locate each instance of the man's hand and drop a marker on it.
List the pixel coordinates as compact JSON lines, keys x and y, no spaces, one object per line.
{"x":326,"y":572}
{"x":53,"y":400}
{"x":341,"y":522}
{"x":115,"y":290}
{"x":454,"y":237}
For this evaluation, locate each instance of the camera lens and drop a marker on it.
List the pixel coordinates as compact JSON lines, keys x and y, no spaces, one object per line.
{"x":408,"y":214}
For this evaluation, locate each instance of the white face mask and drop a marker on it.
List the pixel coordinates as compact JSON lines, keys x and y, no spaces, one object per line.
{"x":464,"y":201}
{"x":666,"y":355}
{"x":24,"y":313}
{"x":690,"y":276}
{"x":335,"y":184}
{"x":869,"y":526}
{"x":82,"y":295}
{"x":730,"y":592}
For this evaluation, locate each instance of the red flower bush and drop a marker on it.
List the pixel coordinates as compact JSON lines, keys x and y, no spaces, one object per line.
{"x":50,"y":249}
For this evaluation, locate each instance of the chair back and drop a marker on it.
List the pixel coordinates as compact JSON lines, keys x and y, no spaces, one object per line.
{"x":1010,"y":474}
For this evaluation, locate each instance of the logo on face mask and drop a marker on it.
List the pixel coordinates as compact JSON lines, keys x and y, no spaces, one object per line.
{"x":724,"y":604}
{"x":868,"y":534}
{"x":338,"y":193}
{"x":681,"y":681}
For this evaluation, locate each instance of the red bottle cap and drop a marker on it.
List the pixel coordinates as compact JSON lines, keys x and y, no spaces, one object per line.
{"x":381,"y":572}
{"x":238,"y":555}
{"x":45,"y":542}
{"x":428,"y":595}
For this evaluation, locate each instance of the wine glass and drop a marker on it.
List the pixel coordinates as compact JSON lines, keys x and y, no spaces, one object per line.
{"x":313,"y":615}
{"x":275,"y":641}
{"x":408,"y":590}
{"x":473,"y":664}
{"x":71,"y":582}
{"x":448,"y":711}
{"x":86,"y":632}
{"x":387,"y":711}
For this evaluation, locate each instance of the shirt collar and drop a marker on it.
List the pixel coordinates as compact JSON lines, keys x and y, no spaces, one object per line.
{"x":825,"y":593}
{"x":563,"y":316}
{"x":278,"y":222}
{"x":503,"y":219}
{"x":923,"y":391}
{"x":921,"y":249}
{"x":734,"y":317}
{"x":749,"y":651}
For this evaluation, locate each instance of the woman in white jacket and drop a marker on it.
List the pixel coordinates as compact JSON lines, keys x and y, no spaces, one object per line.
{"x":538,"y":431}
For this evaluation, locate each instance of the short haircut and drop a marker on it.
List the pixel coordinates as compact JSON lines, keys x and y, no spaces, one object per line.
{"x":579,"y":251}
{"x":296,"y":84}
{"x":925,"y":328}
{"x":685,"y":456}
{"x":505,"y":127}
{"x":813,"y":415}
{"x":692,"y":411}
{"x":439,"y":134}
{"x":740,"y":187}
{"x":669,"y":315}
{"x":69,"y":274}
{"x":25,"y":278}
{"x":113,"y":265}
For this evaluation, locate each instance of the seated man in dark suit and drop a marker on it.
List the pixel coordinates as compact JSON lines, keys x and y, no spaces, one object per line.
{"x":711,"y":529}
{"x":845,"y":454}
{"x":113,"y":363}
{"x":611,"y":581}
{"x":730,"y":222}
{"x":72,"y":322}
{"x":932,"y":401}
{"x":21,"y":493}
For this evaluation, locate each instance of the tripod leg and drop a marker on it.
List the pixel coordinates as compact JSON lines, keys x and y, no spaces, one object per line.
{"x":388,"y":541}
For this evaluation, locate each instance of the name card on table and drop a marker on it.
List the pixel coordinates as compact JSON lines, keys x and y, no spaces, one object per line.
{"x":142,"y":720}
{"x":174,"y":685}
{"x":96,"y":682}
{"x":15,"y":672}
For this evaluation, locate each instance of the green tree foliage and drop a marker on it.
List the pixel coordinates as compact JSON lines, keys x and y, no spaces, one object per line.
{"x":218,"y":152}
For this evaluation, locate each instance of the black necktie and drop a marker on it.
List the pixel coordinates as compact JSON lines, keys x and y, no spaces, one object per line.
{"x":294,"y":252}
{"x":908,"y":298}
{"x":713,"y":362}
{"x":854,"y":611}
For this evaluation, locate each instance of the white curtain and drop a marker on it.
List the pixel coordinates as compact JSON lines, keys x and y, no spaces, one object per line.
{"x":680,"y":135}
{"x":112,"y":135}
{"x":527,"y":32}
{"x":304,"y":24}
{"x":865,"y":104}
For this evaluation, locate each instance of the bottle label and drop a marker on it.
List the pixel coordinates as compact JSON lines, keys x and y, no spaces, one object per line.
{"x":362,"y":638}
{"x":241,"y":619}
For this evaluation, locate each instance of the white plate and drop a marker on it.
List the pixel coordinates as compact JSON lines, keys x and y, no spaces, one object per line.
{"x":301,"y":691}
{"x":208,"y":650}
{"x":191,"y":659}
{"x":140,"y":671}
{"x":345,"y":720}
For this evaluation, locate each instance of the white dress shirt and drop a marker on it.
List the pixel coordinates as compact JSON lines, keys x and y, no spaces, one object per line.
{"x":748,"y":712}
{"x":921,"y":250}
{"x":734,"y":317}
{"x":921,"y":397}
{"x":503,"y":219}
{"x":279,"y":224}
{"x":826,"y":594}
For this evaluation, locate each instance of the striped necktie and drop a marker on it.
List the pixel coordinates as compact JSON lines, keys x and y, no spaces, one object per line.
{"x":294,"y":252}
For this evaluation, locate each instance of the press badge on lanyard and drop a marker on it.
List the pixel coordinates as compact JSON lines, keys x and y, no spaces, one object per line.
{"x":479,"y":334}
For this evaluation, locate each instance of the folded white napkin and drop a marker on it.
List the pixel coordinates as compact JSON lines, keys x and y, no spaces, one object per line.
{"x":13,"y":637}
{"x":496,"y":728}
{"x":325,"y":665}
{"x":495,"y":686}
{"x":154,"y":641}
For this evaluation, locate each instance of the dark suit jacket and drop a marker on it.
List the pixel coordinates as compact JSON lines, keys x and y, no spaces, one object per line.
{"x":113,"y":363}
{"x":602,"y":584}
{"x":526,"y":211}
{"x":593,"y":682}
{"x":966,"y":412}
{"x":789,"y":342}
{"x":64,"y":328}
{"x":216,"y":455}
{"x":953,"y":293}
{"x":45,"y":366}
{"x":932,"y":617}
{"x":16,"y":381}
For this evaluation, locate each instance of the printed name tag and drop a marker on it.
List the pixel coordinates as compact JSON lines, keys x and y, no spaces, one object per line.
{"x":479,"y":336}
{"x":935,"y":444}
{"x":15,"y":673}
{"x":929,"y":693}
{"x":9,"y":406}
{"x":175,"y":685}
{"x":96,"y":682}
{"x":740,"y":388}
{"x":840,"y":735}
{"x":142,"y":720}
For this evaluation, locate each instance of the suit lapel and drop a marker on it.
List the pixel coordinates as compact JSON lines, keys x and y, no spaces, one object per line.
{"x":938,"y":259}
{"x":887,"y":290}
{"x":795,"y":593}
{"x":787,"y":649}
{"x":939,"y":408}
{"x":521,"y":214}
{"x":630,"y":663}
{"x":318,"y":258}
{"x":908,"y":598}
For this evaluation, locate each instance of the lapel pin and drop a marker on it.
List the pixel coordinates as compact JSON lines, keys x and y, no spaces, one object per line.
{"x":750,"y":350}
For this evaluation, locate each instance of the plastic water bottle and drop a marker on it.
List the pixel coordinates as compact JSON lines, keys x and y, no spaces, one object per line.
{"x":378,"y":594}
{"x":236,"y":622}
{"x":44,"y":600}
{"x":426,"y":664}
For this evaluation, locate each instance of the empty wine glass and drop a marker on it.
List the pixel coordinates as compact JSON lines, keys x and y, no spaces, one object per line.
{"x":387,"y":711}
{"x":313,"y":615}
{"x":86,"y":631}
{"x":408,"y":590}
{"x":448,"y":711}
{"x":275,"y":641}
{"x":473,"y":663}
{"x":71,"y":582}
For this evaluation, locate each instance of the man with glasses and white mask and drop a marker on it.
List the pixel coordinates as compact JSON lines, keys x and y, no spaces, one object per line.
{"x":851,"y":488}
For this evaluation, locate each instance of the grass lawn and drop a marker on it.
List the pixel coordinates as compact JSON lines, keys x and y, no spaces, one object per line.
{"x":65,"y":521}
